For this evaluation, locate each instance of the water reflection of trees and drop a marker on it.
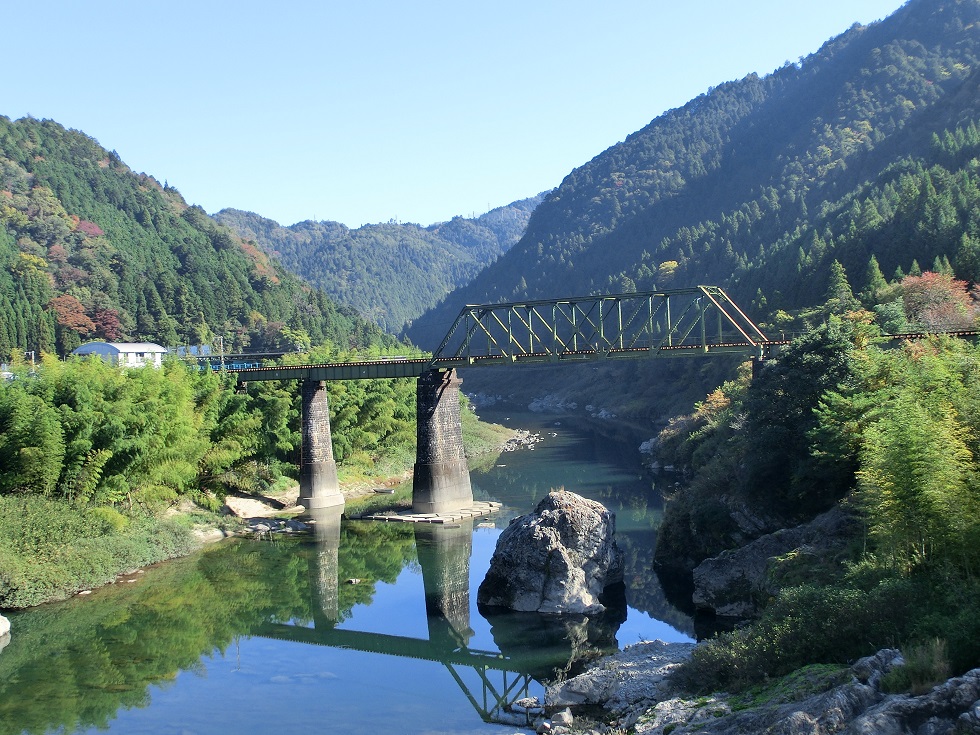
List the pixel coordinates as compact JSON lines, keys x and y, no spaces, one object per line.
{"x":75,"y":664}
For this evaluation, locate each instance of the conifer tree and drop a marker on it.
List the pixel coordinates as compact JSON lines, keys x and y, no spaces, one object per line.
{"x":874,"y":283}
{"x":840,"y":298}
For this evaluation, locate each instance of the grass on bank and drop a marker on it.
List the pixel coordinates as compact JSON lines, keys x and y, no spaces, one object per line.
{"x":51,"y":549}
{"x":363,"y":505}
{"x":482,"y":444}
{"x":481,"y":438}
{"x":926,"y":664}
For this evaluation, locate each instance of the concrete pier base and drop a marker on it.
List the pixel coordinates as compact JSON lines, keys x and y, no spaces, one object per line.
{"x":318,"y":486}
{"x":442,"y":477}
{"x":476,"y":509}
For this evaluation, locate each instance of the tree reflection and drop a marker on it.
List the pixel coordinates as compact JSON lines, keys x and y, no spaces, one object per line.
{"x":74,"y":664}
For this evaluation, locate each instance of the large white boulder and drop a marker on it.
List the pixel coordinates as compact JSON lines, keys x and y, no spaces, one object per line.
{"x":557,"y":559}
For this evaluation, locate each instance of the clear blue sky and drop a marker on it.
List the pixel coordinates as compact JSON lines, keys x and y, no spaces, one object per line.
{"x":370,"y":110}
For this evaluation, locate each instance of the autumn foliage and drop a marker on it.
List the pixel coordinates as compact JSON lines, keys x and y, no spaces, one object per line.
{"x":937,"y":302}
{"x":89,"y":228}
{"x":69,"y":313}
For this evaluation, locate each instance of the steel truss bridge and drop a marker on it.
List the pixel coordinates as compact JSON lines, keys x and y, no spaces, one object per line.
{"x":687,"y":322}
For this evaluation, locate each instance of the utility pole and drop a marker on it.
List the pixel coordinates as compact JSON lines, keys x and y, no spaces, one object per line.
{"x":221,"y":352}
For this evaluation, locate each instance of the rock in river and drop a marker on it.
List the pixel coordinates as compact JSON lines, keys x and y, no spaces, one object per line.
{"x":4,"y":632}
{"x":557,"y":559}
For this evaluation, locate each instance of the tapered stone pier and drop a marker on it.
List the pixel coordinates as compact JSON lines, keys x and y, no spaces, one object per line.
{"x":442,"y":477}
{"x":318,"y":486}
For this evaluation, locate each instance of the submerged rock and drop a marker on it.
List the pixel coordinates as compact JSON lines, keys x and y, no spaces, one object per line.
{"x":4,"y":626}
{"x":553,"y":647}
{"x":259,"y":526}
{"x":560,"y":558}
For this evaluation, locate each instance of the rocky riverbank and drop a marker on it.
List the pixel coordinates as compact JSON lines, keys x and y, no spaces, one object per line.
{"x":624,"y":685}
{"x":636,"y":690}
{"x":632,"y":692}
{"x":522,"y":439}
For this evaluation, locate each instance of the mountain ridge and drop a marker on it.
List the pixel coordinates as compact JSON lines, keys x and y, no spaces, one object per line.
{"x":695,"y":194}
{"x":93,"y":250}
{"x":390,"y":272}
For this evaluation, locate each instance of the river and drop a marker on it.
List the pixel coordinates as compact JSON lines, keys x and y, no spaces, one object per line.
{"x":370,"y":627}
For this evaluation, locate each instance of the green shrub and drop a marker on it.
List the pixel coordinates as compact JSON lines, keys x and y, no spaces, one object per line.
{"x":34,"y":524}
{"x":926,"y":665}
{"x":952,"y":613}
{"x":805,"y":625}
{"x":111,"y":517}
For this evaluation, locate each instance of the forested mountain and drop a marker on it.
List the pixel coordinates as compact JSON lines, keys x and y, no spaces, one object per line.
{"x":867,"y":147}
{"x":92,"y":250}
{"x":390,"y":272}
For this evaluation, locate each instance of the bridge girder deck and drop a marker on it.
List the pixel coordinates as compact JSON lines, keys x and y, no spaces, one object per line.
{"x":367,"y":370}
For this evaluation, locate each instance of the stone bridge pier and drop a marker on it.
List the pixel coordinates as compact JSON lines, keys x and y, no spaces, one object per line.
{"x":318,"y":486}
{"x":442,"y":477}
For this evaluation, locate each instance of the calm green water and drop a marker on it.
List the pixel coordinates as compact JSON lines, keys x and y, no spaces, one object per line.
{"x":368,"y":628}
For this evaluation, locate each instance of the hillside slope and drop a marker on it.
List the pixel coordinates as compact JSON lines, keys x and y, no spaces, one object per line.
{"x":389,"y":272}
{"x":760,"y":184}
{"x":93,"y":250}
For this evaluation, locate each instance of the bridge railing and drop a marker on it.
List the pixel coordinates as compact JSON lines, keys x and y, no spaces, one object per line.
{"x":660,"y":323}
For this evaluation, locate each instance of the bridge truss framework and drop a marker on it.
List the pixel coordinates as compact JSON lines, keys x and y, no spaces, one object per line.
{"x":682,"y":322}
{"x":688,"y":322}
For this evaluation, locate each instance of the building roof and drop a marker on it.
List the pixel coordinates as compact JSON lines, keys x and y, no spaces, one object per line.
{"x":118,"y":347}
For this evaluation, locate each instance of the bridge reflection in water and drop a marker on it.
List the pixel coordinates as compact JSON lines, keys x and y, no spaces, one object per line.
{"x":532,"y":647}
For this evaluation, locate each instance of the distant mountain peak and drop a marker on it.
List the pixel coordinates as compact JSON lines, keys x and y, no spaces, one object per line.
{"x":390,"y":272}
